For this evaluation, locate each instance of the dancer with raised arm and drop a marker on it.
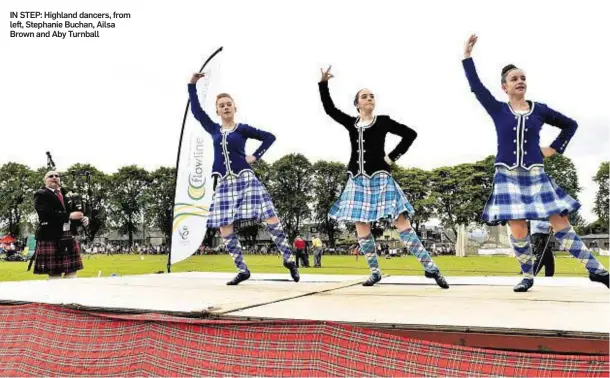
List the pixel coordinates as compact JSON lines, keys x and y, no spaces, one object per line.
{"x":522,"y":190}
{"x":239,"y":197}
{"x":371,"y":193}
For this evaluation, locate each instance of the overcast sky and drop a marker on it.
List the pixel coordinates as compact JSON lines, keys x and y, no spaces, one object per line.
{"x":119,"y":99}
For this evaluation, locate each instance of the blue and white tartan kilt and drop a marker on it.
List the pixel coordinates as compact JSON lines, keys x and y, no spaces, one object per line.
{"x":523,"y":194}
{"x":371,"y":199}
{"x":240,"y":200}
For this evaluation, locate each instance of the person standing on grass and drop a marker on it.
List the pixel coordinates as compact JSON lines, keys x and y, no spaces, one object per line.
{"x":299,"y":246}
{"x":316,"y":244}
{"x":240,"y":197}
{"x":57,"y":251}
{"x":522,"y":190}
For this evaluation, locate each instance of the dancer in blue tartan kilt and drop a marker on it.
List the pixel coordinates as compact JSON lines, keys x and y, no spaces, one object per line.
{"x":240,"y":198}
{"x":522,"y":190}
{"x":371,"y":194}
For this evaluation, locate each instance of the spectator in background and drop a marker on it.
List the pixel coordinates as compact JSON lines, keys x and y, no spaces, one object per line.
{"x":299,"y":245}
{"x":316,"y":243}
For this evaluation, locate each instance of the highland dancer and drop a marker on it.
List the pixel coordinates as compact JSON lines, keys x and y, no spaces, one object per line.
{"x":522,"y":190}
{"x":371,"y":194}
{"x":239,"y":198}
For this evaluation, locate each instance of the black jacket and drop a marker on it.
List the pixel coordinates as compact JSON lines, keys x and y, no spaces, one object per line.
{"x":368,"y":142}
{"x":51,"y":215}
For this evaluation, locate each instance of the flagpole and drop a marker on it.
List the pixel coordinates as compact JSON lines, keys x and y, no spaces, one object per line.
{"x":186,"y":110}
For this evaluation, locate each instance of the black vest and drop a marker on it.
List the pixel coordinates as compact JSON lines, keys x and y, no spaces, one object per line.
{"x":368,"y":142}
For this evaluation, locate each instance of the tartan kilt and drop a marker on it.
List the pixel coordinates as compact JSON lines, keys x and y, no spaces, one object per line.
{"x":523,"y":194}
{"x":365,"y":199}
{"x":49,"y":262}
{"x":240,"y":200}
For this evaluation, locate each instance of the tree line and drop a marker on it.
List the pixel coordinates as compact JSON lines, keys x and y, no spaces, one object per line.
{"x":302,"y":191}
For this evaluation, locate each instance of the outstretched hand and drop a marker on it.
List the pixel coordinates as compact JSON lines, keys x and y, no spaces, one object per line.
{"x":196,"y":76}
{"x":326,"y":74}
{"x":469,"y":45}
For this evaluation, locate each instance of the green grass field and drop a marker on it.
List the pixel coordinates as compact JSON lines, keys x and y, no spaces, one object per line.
{"x":406,"y":265}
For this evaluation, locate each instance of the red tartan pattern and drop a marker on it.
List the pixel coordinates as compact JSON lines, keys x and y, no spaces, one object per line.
{"x":49,"y":262}
{"x":44,"y":340}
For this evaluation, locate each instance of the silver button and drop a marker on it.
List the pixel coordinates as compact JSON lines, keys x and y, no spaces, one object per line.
{"x":526,"y":152}
{"x":526,"y":129}
{"x":514,"y":152}
{"x":514,"y":128}
{"x":514,"y":140}
{"x":525,"y":141}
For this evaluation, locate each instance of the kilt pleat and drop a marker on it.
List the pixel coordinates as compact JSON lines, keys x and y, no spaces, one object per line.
{"x":523,"y":194}
{"x":239,"y":200}
{"x":49,"y":261}
{"x":371,"y":199}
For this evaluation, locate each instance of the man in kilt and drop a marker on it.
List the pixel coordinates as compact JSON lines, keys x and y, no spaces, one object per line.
{"x":57,"y":251}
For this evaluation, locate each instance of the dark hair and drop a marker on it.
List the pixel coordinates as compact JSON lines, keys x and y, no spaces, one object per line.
{"x":356,"y":98}
{"x":505,"y":71}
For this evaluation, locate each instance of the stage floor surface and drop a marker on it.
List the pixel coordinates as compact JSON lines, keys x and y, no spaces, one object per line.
{"x":553,"y":307}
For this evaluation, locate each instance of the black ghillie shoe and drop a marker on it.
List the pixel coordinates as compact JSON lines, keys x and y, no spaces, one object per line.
{"x":524,"y":285}
{"x":294,"y":271}
{"x":438,"y":277}
{"x":241,"y":276}
{"x":373,"y":279}
{"x":599,"y":278}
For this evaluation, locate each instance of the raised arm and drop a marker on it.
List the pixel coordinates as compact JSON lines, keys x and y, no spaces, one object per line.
{"x":266,"y":137}
{"x":327,"y":102}
{"x":407,"y":135}
{"x":482,"y":94}
{"x":198,"y":112}
{"x":567,"y":125}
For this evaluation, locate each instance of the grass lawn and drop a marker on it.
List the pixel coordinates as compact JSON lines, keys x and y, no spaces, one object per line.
{"x":407,"y":265}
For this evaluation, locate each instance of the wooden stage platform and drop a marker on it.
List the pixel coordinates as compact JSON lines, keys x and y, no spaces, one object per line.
{"x":560,"y":315}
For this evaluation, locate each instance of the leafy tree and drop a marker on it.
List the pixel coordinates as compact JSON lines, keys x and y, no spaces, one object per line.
{"x":127,"y":193}
{"x":416,"y":184}
{"x":290,"y":188}
{"x":158,"y":198}
{"x":17,"y":186}
{"x":328,"y":182}
{"x":602,"y":203}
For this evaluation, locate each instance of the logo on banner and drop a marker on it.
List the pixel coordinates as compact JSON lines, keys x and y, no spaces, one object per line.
{"x":184,"y":232}
{"x":196,"y":188}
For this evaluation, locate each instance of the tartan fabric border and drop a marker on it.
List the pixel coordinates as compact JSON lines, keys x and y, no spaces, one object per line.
{"x":43,"y":340}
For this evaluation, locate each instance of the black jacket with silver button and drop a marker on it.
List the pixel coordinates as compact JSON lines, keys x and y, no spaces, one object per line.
{"x":368,"y":142}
